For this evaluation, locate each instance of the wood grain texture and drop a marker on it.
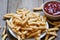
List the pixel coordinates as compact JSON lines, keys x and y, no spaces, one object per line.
{"x":15,"y":4}
{"x":3,"y":10}
{"x":29,"y":4}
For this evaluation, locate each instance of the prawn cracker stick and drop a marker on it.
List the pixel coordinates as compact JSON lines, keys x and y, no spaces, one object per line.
{"x":50,"y":22}
{"x":9,"y":15}
{"x":47,"y":36}
{"x":57,"y":23}
{"x":19,"y":38}
{"x":53,"y":29}
{"x":17,"y":12}
{"x":4,"y":37}
{"x":37,"y":38}
{"x":34,"y":33}
{"x":25,"y":21}
{"x":9,"y":24}
{"x":25,"y":32}
{"x":4,"y":31}
{"x":18,"y":28}
{"x":23,"y":36}
{"x":26,"y":29}
{"x":17,"y":32}
{"x":51,"y":38}
{"x":39,"y":8}
{"x":18,"y":21}
{"x":57,"y":26}
{"x":40,"y":28}
{"x":36,"y":23}
{"x":52,"y":33}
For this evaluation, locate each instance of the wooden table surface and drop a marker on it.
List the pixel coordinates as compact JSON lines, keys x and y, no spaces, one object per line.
{"x":7,"y":6}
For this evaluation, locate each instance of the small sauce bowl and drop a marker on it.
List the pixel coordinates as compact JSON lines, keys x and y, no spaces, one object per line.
{"x":52,"y":10}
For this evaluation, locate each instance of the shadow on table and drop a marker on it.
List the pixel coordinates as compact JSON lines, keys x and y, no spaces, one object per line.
{"x":10,"y":36}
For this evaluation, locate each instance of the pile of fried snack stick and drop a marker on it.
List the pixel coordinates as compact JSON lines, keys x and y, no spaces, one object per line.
{"x":26,"y":24}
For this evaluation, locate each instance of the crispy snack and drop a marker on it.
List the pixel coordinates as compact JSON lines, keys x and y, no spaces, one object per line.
{"x":4,"y":31}
{"x":9,"y":24}
{"x":53,"y":29}
{"x":34,"y":33}
{"x":37,"y":38}
{"x":19,"y":38}
{"x":4,"y":37}
{"x":26,"y":24}
{"x":52,"y":33}
{"x":25,"y":21}
{"x":39,"y":8}
{"x":9,"y":15}
{"x":24,"y":32}
{"x":51,"y":38}
{"x":18,"y":28}
{"x":23,"y":36}
{"x":47,"y":36}
{"x":50,"y":22}
{"x":16,"y":21}
{"x":57,"y":26}
{"x":57,"y":23}
{"x":41,"y":28}
{"x":26,"y":29}
{"x":17,"y":32}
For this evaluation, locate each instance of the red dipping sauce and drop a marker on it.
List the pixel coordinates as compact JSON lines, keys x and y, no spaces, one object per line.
{"x":52,"y":8}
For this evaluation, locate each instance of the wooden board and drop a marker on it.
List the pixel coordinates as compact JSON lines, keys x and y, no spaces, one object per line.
{"x":12,"y":5}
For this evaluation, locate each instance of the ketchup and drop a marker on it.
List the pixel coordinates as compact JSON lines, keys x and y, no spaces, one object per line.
{"x":52,"y":8}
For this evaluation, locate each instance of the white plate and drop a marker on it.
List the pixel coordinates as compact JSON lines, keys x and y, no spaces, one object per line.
{"x":41,"y":36}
